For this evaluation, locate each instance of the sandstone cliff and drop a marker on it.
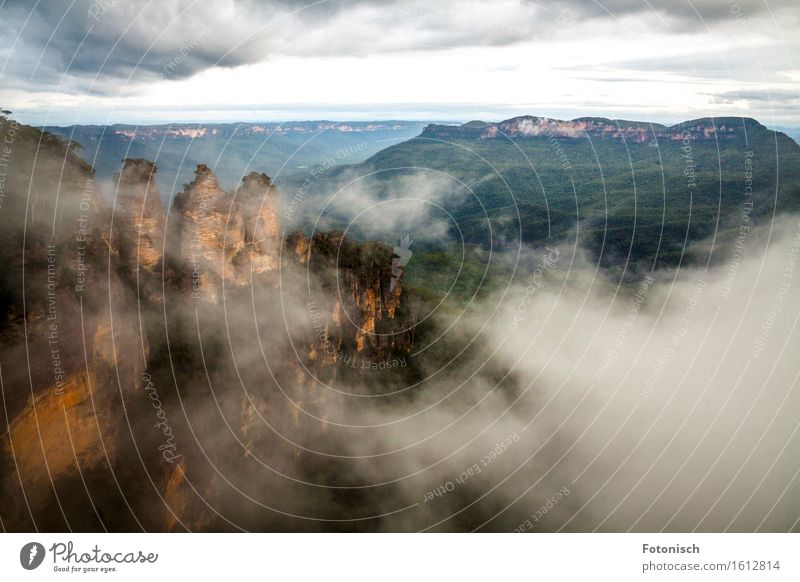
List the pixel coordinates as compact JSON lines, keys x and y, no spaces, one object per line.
{"x":71,"y":348}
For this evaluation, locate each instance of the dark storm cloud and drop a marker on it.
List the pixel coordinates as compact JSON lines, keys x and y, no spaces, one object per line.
{"x":110,"y":38}
{"x":143,"y":37}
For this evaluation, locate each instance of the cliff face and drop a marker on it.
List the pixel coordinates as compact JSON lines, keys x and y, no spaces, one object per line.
{"x":360,"y":301}
{"x":72,"y":422}
{"x":71,"y":349}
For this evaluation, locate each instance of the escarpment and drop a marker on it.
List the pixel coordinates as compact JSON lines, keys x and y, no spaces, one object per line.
{"x":139,"y":327}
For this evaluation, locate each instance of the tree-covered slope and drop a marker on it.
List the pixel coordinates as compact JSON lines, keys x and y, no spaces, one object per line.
{"x":631,"y":191}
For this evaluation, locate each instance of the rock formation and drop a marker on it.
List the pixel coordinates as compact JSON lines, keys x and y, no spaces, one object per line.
{"x":225,"y":238}
{"x":121,"y":333}
{"x":258,"y":201}
{"x":139,"y":222}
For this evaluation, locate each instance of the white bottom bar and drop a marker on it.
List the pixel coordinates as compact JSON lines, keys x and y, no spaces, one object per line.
{"x":403,"y":557}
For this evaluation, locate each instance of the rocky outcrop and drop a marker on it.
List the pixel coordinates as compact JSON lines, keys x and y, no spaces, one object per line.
{"x":139,"y":222}
{"x":258,"y":201}
{"x":297,"y":246}
{"x":360,"y":302}
{"x":225,"y":238}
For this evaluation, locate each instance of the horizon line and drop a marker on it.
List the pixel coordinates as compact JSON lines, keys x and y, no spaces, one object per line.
{"x":163,"y":123}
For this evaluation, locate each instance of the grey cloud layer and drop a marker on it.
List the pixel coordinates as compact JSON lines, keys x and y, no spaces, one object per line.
{"x":178,"y":38}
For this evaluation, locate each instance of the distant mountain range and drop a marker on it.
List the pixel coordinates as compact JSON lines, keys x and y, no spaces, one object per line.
{"x":636,"y":194}
{"x":235,"y":149}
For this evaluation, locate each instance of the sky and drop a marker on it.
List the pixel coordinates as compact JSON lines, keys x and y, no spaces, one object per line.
{"x":148,"y":61}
